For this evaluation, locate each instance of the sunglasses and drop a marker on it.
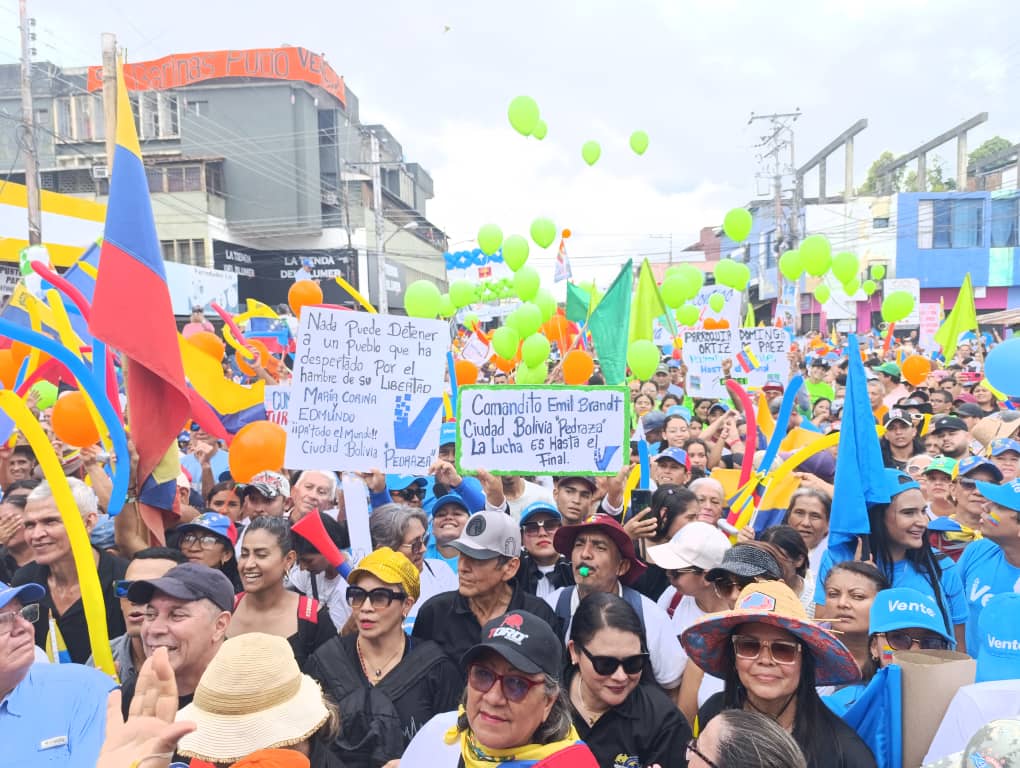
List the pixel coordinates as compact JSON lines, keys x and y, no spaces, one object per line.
{"x":607,"y":665}
{"x":532,"y":527}
{"x":675,"y":573}
{"x":724,"y":587}
{"x":380,"y":597}
{"x":417,"y":545}
{"x":411,"y":493}
{"x":692,"y":749}
{"x":121,"y":587}
{"x":967,"y":485}
{"x":515,"y":687}
{"x":781,"y":651}
{"x":904,"y":641}
{"x":29,"y":613}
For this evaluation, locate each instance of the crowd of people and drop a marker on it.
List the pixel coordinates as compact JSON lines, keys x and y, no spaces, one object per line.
{"x":528,"y":620}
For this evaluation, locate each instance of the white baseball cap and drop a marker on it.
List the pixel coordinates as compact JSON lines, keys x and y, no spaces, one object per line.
{"x":696,"y":545}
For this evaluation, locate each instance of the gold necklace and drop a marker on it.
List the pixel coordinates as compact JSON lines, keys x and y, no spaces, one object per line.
{"x":582,"y":708}
{"x":378,"y":671}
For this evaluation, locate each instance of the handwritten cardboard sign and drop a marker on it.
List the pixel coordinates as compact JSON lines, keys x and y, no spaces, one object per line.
{"x":543,"y":430}
{"x":761,"y":357}
{"x":704,"y":352}
{"x":367,"y":392}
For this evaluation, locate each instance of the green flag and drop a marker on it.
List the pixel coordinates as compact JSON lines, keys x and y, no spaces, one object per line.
{"x":749,"y":316}
{"x":962,"y":318}
{"x":648,"y":306}
{"x":577,"y":304}
{"x":607,"y":322}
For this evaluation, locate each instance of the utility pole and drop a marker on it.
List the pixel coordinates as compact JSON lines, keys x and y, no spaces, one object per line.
{"x":381,"y":304}
{"x":109,"y":43}
{"x":28,"y":129}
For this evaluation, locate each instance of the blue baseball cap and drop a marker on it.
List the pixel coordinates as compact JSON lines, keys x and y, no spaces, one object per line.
{"x":213,"y":522}
{"x":400,"y":482}
{"x":721,"y":405}
{"x":26,"y":593}
{"x":673,"y":364}
{"x":969,"y":464}
{"x":448,"y":432}
{"x":450,"y":498}
{"x":896,"y":482}
{"x":681,"y":411}
{"x":1006,"y":495}
{"x":904,"y":608}
{"x":998,"y":656}
{"x":539,"y":506}
{"x":1002,"y":444}
{"x":679,"y":455}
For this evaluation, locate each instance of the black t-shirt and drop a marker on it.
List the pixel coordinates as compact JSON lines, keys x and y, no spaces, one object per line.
{"x":843,"y":747}
{"x":72,"y":624}
{"x":647,"y":729}
{"x":447,"y":619}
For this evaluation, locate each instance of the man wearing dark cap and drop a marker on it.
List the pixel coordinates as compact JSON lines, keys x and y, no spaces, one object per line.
{"x":899,"y":443}
{"x":603,"y":558}
{"x":954,"y":439}
{"x":573,"y":497}
{"x":187,"y":611}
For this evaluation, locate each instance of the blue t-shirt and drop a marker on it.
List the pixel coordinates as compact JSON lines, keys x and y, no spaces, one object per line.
{"x":55,"y":716}
{"x":219,"y":463}
{"x":904,"y":574}
{"x":985,"y":573}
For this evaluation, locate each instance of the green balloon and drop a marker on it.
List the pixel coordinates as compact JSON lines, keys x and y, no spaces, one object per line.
{"x":463,"y":293}
{"x":737,"y":224}
{"x":515,"y":252}
{"x":47,"y":394}
{"x":671,"y":271}
{"x":791,"y":264}
{"x":446,"y":307}
{"x":505,"y":340}
{"x":717,"y":301}
{"x":545,"y":302}
{"x":853,"y":286}
{"x":540,"y":130}
{"x":816,"y":254}
{"x":543,"y":232}
{"x":529,"y":319}
{"x":688,"y":315}
{"x":639,"y":142}
{"x":470,"y":321}
{"x":528,"y":375}
{"x":743,"y":277}
{"x":869,"y":287}
{"x":845,"y":266}
{"x":523,"y":114}
{"x":526,"y":283}
{"x":591,"y":152}
{"x":422,"y":299}
{"x":723,"y":272}
{"x":673,"y":291}
{"x":490,"y":237}
{"x":897,"y":306}
{"x":822,"y":293}
{"x":535,"y":350}
{"x":643,"y":358}
{"x":693,"y":279}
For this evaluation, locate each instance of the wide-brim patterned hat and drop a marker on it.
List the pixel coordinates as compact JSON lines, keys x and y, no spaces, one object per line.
{"x":772,"y":603}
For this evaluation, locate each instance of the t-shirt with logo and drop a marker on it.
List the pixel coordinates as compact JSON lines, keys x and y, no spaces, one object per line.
{"x":986,"y":573}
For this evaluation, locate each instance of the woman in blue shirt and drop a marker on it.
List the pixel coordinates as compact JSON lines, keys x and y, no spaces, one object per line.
{"x":900,"y":549}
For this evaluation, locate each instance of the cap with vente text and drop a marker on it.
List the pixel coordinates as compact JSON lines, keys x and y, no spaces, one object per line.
{"x":972,"y":463}
{"x":998,"y":656}
{"x":1001,"y":445}
{"x":1006,"y":495}
{"x":489,"y":534}
{"x":905,"y":608}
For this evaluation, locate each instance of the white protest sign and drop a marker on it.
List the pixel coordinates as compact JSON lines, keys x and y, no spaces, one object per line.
{"x":476,"y":351}
{"x":367,"y":392}
{"x":277,"y":400}
{"x":929,"y":325}
{"x":356,"y":512}
{"x":761,"y":356}
{"x":730,"y":312}
{"x":704,"y":352}
{"x":543,"y":430}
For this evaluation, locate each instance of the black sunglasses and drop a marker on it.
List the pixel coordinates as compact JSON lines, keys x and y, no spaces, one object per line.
{"x":379,"y":597}
{"x":607,"y":665}
{"x":411,"y":493}
{"x":674,"y":573}
{"x":900,"y":640}
{"x":532,"y":527}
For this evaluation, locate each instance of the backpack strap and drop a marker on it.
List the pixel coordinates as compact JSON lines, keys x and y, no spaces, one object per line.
{"x":633,"y":598}
{"x":674,"y":603}
{"x":237,"y":599}
{"x":562,"y":609}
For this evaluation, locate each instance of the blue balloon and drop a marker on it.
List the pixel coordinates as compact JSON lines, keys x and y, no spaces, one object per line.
{"x":1001,"y":366}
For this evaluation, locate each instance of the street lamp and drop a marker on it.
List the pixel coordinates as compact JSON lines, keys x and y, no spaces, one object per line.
{"x":383,"y":301}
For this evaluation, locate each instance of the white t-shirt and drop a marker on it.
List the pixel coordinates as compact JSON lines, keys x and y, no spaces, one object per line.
{"x":428,"y":749}
{"x":332,"y":592}
{"x":532,"y":493}
{"x":665,"y":652}
{"x":544,"y":588}
{"x":972,"y":707}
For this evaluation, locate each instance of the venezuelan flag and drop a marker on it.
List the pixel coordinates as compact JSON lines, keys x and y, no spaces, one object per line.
{"x":131,"y":309}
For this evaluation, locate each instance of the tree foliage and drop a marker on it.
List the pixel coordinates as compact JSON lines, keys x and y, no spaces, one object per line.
{"x":872,"y":185}
{"x":990,"y":148}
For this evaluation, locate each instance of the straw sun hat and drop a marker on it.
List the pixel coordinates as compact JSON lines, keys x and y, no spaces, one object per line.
{"x":772,"y":603}
{"x":252,"y":696}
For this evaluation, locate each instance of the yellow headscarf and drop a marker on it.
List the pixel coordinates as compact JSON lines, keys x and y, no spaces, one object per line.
{"x":477,"y":756}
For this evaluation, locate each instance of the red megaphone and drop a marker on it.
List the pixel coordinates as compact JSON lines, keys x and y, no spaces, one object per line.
{"x":310,"y":527}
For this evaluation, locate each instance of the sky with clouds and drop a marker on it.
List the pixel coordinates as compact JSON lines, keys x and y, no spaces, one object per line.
{"x":440,"y":74}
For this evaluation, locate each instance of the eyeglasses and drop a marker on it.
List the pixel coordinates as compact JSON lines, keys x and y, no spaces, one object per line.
{"x":29,"y":613}
{"x":515,"y":687}
{"x":206,"y":541}
{"x":904,"y":641}
{"x":380,"y":597}
{"x":607,"y":665}
{"x":675,"y":573}
{"x":411,"y":493}
{"x":781,"y":651}
{"x":416,"y":545}
{"x":692,"y":748}
{"x":532,"y":527}
{"x":121,"y":587}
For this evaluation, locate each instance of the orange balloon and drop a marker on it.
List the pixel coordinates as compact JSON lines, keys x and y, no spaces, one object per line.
{"x":72,"y":422}
{"x":256,"y":447}
{"x":465,"y":372}
{"x":502,"y":363}
{"x":267,"y":361}
{"x":915,"y":369}
{"x":20,"y":350}
{"x":303,"y":293}
{"x":8,"y":368}
{"x":208,"y":342}
{"x":577,"y":367}
{"x":567,"y":233}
